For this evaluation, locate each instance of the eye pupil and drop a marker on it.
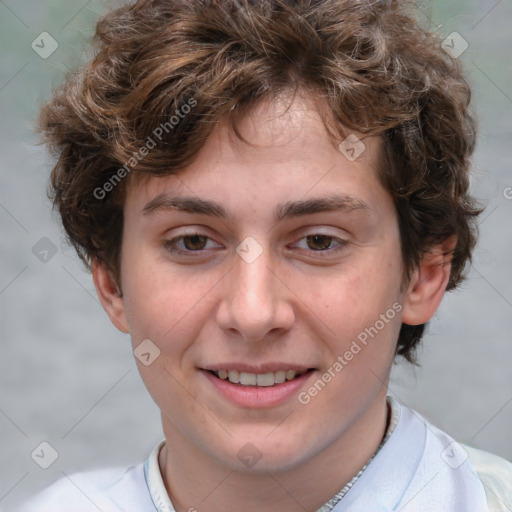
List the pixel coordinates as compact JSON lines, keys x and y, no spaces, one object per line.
{"x":319,"y":242}
{"x":194,"y":242}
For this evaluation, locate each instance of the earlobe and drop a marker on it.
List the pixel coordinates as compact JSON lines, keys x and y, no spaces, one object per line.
{"x":109,"y":295}
{"x":428,"y":284}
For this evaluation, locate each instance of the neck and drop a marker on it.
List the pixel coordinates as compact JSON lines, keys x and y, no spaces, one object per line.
{"x":194,"y":480}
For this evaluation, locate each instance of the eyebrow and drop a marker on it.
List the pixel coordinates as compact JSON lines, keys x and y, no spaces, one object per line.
{"x":290,"y":209}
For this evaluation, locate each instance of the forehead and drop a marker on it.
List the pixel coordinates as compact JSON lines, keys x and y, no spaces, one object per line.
{"x":281,"y":145}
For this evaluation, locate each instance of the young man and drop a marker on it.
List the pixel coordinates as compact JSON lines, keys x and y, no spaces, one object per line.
{"x":273,"y":198}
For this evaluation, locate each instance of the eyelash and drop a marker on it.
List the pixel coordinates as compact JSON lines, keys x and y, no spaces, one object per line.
{"x":170,"y":245}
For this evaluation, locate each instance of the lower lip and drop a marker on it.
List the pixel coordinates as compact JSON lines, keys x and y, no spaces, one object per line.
{"x":255,"y":397}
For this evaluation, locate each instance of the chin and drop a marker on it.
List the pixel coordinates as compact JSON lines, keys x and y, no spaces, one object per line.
{"x":258,"y":454}
{"x":275,"y":463}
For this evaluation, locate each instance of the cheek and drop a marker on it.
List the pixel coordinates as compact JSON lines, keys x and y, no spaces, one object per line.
{"x":356,"y":298}
{"x":362,"y":308}
{"x":163,"y":304}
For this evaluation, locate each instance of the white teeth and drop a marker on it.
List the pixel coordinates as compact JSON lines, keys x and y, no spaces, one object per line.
{"x":279,"y":376}
{"x":248,"y":379}
{"x":290,"y":374}
{"x":265,"y":379}
{"x":233,"y":376}
{"x":258,"y":379}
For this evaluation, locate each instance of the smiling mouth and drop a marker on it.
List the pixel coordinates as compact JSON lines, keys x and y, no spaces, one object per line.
{"x":258,"y":379}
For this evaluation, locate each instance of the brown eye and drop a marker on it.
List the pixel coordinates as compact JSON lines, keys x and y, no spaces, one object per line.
{"x":193,"y":245}
{"x":319,"y":242}
{"x":195,"y":242}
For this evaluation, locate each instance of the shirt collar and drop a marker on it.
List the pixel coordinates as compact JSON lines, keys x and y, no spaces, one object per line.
{"x":162,"y":502}
{"x":155,"y":482}
{"x":394,"y":418}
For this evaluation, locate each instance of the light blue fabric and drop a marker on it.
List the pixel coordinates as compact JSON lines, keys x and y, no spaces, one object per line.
{"x":155,"y":483}
{"x":496,"y":475}
{"x":418,"y":469}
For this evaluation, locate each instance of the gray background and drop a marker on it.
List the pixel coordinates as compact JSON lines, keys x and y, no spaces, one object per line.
{"x":68,"y":377}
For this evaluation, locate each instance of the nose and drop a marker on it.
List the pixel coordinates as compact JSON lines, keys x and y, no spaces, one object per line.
{"x":256,"y":304}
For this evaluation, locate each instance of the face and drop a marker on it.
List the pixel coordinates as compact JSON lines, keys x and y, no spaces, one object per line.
{"x":276,"y":264}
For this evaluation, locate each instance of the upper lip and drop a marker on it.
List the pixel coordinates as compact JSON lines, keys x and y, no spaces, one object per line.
{"x":260,"y":368}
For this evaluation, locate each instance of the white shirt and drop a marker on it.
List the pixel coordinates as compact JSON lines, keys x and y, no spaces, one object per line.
{"x":419,"y":468}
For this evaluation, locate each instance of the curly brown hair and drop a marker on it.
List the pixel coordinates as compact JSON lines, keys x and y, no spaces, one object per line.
{"x":372,"y":64}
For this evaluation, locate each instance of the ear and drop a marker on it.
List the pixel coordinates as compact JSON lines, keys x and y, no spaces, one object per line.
{"x":428,"y":283}
{"x":109,"y":294}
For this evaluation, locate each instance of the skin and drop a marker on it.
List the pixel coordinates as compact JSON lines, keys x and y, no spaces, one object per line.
{"x":295,"y":303}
